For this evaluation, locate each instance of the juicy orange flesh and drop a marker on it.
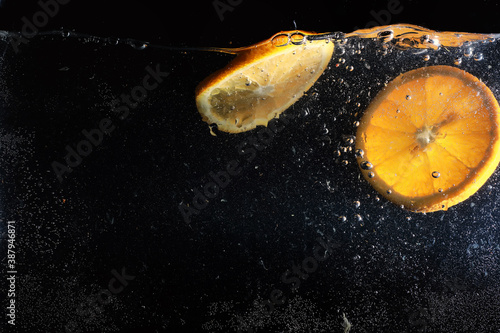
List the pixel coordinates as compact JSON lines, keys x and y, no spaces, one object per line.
{"x":262,"y":81}
{"x":429,"y":133}
{"x":266,"y":87}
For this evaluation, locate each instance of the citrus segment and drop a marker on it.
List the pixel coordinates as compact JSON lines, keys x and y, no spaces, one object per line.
{"x":262,"y":81}
{"x":431,"y":137}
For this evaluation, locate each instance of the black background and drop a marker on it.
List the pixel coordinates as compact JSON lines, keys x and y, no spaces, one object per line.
{"x":198,"y":24}
{"x":121,"y":204}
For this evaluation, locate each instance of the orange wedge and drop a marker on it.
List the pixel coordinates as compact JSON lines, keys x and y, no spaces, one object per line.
{"x":262,"y":81}
{"x":430,"y":138}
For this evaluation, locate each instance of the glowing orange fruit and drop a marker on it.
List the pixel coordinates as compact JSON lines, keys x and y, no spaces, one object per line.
{"x":262,"y":81}
{"x":429,"y":139}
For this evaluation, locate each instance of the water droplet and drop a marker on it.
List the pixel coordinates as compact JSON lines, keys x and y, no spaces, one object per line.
{"x":365,"y":165}
{"x":436,"y":174}
{"x":359,"y":153}
{"x":389,"y":191}
{"x":358,"y":218}
{"x":342,"y":218}
{"x":478,"y":56}
{"x":427,"y":57}
{"x":398,"y":111}
{"x":457,"y":61}
{"x":345,"y":162}
{"x":357,"y":204}
{"x":350,"y":68}
{"x":371,"y":174}
{"x":356,"y":123}
{"x":408,"y":97}
{"x":440,"y":190}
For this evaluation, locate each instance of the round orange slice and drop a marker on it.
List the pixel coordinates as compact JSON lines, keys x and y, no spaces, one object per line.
{"x":262,"y":81}
{"x":430,"y":138}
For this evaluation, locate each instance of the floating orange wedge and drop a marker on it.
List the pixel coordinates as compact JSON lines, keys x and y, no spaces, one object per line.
{"x":262,"y":81}
{"x":430,"y":138}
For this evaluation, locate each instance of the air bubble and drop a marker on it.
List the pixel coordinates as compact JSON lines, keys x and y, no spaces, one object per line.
{"x":339,"y":51}
{"x":138,"y":46}
{"x":365,"y":165}
{"x":436,"y":174}
{"x":359,"y":153}
{"x":440,"y":190}
{"x":408,"y":97}
{"x":280,"y":40}
{"x":297,"y":38}
{"x":342,"y":218}
{"x":357,"y":204}
{"x":427,"y":57}
{"x":468,"y":52}
{"x":457,"y":61}
{"x":389,"y":191}
{"x":385,"y":36}
{"x":349,"y":139}
{"x":371,"y":174}
{"x":425,"y":39}
{"x":113,"y":41}
{"x":478,"y":57}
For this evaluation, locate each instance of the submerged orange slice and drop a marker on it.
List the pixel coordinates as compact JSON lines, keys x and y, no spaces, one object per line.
{"x":430,"y":138}
{"x":262,"y":81}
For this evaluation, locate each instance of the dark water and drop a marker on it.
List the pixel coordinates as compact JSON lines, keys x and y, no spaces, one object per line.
{"x":106,"y":247}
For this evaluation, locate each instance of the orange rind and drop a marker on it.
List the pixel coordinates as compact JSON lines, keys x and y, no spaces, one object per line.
{"x":430,"y":139}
